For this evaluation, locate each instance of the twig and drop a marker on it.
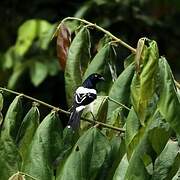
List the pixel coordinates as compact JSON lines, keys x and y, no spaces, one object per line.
{"x":111,"y":99}
{"x":103,"y":124}
{"x":177,"y":84}
{"x":35,"y":100}
{"x":99,"y":28}
{"x":60,"y":110}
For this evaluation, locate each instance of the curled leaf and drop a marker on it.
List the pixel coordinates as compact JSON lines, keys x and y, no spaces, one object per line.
{"x":62,"y":44}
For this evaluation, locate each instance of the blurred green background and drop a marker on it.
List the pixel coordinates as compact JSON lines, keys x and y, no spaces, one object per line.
{"x":28,"y":61}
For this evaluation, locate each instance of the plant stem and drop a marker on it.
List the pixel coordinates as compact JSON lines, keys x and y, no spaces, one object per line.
{"x":101,"y":29}
{"x":59,"y":109}
{"x":113,"y":100}
{"x":35,"y":100}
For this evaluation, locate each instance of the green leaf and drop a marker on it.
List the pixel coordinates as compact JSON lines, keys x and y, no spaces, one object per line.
{"x":27,"y":130}
{"x":169,"y":104}
{"x":78,"y":58}
{"x":132,"y":128}
{"x":130,"y":59}
{"x":18,"y":70}
{"x":144,"y":81}
{"x":120,"y":91}
{"x":168,"y":162}
{"x":10,"y":159}
{"x":12,"y":120}
{"x":103,"y":63}
{"x":121,"y":169}
{"x":38,"y":72}
{"x":87,"y":157}
{"x":30,"y":30}
{"x":44,"y":149}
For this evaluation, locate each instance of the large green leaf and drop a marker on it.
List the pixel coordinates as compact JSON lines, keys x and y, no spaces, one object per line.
{"x":12,"y":120}
{"x":78,"y":58}
{"x":132,"y":128}
{"x":144,"y":81}
{"x":104,"y":64}
{"x":169,"y":104}
{"x":87,"y":157}
{"x":120,"y":91}
{"x":27,"y":130}
{"x":44,"y":149}
{"x":168,"y":162}
{"x":121,"y":169}
{"x":10,"y":159}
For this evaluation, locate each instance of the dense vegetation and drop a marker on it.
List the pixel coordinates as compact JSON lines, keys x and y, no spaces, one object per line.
{"x":137,"y":130}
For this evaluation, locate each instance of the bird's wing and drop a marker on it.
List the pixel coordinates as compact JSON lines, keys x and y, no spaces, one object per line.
{"x":85,"y":96}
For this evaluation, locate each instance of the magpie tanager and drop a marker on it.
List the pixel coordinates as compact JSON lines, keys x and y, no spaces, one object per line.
{"x":84,"y":95}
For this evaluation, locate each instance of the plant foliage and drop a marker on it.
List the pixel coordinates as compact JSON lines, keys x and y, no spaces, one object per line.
{"x":141,"y":98}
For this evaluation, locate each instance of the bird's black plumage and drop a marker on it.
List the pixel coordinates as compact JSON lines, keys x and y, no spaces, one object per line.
{"x":83,"y":96}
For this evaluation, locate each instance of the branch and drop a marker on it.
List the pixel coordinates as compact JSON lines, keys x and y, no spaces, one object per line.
{"x":99,"y":28}
{"x":60,"y":110}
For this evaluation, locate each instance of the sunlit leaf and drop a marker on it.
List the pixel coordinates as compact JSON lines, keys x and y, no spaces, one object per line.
{"x":143,"y":85}
{"x":78,"y":58}
{"x":62,"y":44}
{"x":30,"y":30}
{"x":38,"y":72}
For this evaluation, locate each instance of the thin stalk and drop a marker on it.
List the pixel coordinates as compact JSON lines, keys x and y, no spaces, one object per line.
{"x":120,"y":104}
{"x":100,"y":29}
{"x":60,"y":110}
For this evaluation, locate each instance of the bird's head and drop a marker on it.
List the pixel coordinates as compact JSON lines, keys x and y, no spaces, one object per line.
{"x":92,"y":80}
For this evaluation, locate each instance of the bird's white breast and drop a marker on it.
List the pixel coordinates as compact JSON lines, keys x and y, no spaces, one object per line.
{"x":82,"y":90}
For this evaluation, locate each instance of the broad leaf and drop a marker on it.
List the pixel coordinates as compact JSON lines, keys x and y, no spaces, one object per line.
{"x":121,"y":169}
{"x":120,"y":91}
{"x":27,"y":130}
{"x":12,"y":120}
{"x":168,"y":162}
{"x":169,"y":104}
{"x":144,"y":81}
{"x":78,"y":58}
{"x":44,"y":149}
{"x":10,"y":159}
{"x":87,"y":157}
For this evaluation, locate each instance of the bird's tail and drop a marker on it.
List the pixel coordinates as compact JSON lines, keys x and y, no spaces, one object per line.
{"x":74,"y":120}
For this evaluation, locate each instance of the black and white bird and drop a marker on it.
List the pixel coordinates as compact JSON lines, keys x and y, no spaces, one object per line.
{"x":84,"y":95}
